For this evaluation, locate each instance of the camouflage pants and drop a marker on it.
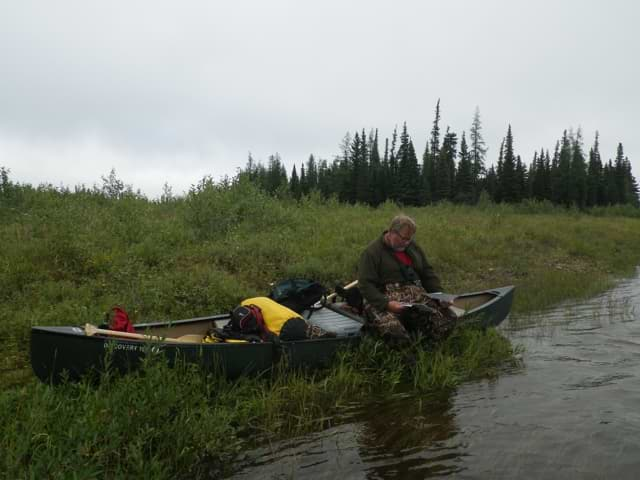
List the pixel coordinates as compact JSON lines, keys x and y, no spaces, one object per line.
{"x":432,"y":321}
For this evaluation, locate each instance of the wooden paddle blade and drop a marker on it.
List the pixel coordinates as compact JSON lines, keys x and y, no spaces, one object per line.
{"x":89,"y":329}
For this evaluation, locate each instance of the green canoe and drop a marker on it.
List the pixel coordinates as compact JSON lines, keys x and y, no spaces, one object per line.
{"x":59,"y":352}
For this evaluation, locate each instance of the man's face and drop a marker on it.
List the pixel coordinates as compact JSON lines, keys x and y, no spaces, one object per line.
{"x":401,"y":239}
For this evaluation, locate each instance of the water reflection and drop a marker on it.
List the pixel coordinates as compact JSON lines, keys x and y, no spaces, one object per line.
{"x":401,"y":437}
{"x":571,"y":412}
{"x":409,"y":438}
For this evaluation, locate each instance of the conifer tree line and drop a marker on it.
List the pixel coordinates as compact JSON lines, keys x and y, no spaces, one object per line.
{"x":453,"y":168}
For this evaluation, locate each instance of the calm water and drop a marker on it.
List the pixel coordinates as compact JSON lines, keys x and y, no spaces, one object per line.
{"x":572,"y":410}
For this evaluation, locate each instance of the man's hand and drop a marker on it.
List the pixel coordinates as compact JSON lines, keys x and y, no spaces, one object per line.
{"x":395,"y":307}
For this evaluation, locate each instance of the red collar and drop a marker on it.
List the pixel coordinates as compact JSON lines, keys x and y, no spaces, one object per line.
{"x":403,"y":258}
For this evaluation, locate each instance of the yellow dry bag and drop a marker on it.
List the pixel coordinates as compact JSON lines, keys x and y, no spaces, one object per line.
{"x":274,"y":314}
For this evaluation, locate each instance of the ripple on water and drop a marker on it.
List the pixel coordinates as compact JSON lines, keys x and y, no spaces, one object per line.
{"x":599,"y":381}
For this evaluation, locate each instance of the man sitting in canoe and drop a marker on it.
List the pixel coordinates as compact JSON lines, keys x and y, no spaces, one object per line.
{"x":394,"y":277}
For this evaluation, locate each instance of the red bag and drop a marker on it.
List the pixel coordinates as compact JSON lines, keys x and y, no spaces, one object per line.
{"x":120,"y":321}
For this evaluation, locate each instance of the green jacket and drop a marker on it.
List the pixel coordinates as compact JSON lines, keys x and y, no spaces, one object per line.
{"x":378,"y":267}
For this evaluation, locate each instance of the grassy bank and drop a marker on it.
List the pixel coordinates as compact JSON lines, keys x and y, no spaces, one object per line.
{"x":67,"y":258}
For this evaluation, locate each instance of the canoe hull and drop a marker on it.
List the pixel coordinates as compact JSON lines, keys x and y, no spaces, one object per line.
{"x":66,"y":352}
{"x":315,"y":353}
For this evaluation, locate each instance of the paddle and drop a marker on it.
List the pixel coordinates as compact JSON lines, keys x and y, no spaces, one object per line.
{"x":91,"y":330}
{"x":346,"y":287}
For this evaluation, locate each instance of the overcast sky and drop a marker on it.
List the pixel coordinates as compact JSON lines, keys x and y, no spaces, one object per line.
{"x":171,"y":91}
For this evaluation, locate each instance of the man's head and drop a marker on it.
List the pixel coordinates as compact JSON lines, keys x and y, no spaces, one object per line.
{"x":401,"y":232}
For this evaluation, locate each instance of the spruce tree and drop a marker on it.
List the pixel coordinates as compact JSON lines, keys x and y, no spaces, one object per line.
{"x":478,"y":150}
{"x":532,"y":176}
{"x":578,"y":172}
{"x":361,"y":170}
{"x":262,"y":176}
{"x":394,"y":185}
{"x":6,"y":184}
{"x":622,"y":191}
{"x":304,"y":187}
{"x":294,"y":183}
{"x":312,"y":174}
{"x":491,"y":184}
{"x":415,"y":185}
{"x":434,"y":154}
{"x":555,"y":180}
{"x":324,"y":179}
{"x":435,"y":133}
{"x":250,"y":170}
{"x":341,"y":169}
{"x":509,"y":185}
{"x":497,"y":190}
{"x":427,"y":175}
{"x":385,"y":171}
{"x":537,"y":177}
{"x":567,"y":189}
{"x":276,"y":174}
{"x":375,"y":171}
{"x":547,"y":176}
{"x":354,"y":166}
{"x":408,"y":173}
{"x":632,"y":185}
{"x":445,"y":167}
{"x":595,"y":187}
{"x":610,"y":184}
{"x":521,"y":180}
{"x":464,"y":184}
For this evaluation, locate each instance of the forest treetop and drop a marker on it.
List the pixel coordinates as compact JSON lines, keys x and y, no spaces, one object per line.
{"x":453,"y":168}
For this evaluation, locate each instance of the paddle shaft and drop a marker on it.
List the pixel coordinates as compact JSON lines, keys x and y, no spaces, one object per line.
{"x":346,"y":287}
{"x":91,"y":330}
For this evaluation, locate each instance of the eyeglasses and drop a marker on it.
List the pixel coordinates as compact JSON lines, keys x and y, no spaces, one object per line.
{"x":403,"y":238}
